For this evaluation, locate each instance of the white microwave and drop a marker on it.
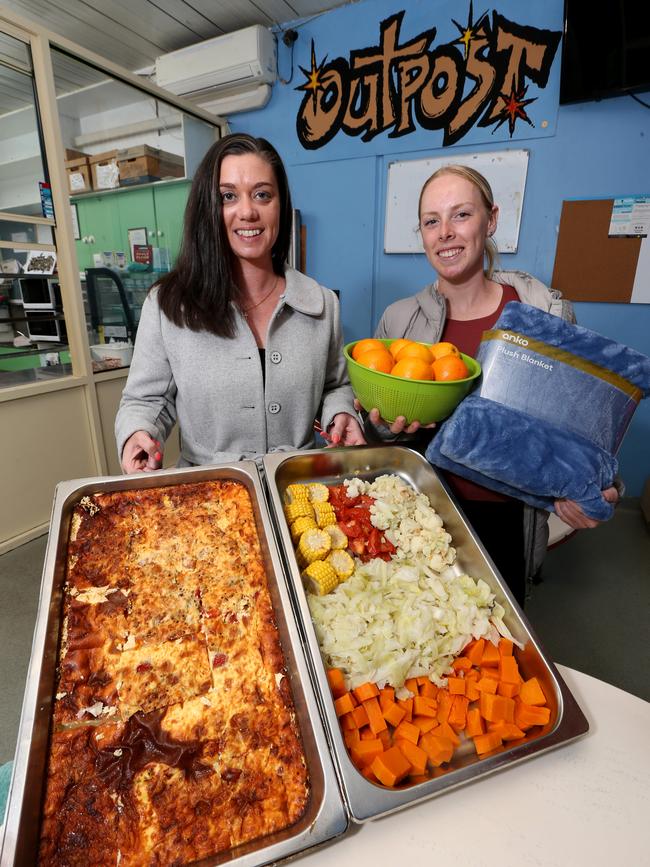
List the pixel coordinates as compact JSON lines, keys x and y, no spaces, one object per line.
{"x":43,"y":327}
{"x":39,"y":293}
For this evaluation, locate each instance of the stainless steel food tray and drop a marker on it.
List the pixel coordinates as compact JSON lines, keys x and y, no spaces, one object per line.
{"x":325,"y":817}
{"x":364,"y":799}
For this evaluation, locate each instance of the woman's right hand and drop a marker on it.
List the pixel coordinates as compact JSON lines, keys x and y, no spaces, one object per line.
{"x":141,"y":453}
{"x":398,"y":426}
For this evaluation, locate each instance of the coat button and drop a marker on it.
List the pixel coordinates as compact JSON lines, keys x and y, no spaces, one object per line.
{"x":274,"y":408}
{"x":276,"y":357}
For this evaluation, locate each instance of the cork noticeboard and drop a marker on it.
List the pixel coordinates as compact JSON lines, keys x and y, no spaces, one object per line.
{"x":589,"y":264}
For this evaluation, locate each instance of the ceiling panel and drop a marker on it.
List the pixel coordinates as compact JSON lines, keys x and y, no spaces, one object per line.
{"x":132,"y":33}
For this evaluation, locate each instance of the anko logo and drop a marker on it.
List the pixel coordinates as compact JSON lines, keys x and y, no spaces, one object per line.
{"x":515,"y":338}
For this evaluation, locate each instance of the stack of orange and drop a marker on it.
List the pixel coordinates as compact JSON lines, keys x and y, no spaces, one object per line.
{"x":410,"y":360}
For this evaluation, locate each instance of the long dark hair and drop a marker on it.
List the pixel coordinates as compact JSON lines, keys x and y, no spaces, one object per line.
{"x":199,"y":292}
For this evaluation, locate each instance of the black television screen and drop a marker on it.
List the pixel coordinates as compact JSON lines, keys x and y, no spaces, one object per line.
{"x":606,"y":49}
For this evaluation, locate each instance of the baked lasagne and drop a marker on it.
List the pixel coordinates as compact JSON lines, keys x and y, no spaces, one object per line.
{"x":174,"y":734}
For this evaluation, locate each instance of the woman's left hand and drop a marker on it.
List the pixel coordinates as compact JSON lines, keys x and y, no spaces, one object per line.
{"x":571,"y":513}
{"x":345,"y":430}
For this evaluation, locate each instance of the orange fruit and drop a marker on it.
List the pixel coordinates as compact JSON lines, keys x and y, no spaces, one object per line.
{"x":439,"y":350}
{"x":364,"y":345}
{"x":449,"y":367}
{"x":412,"y":368}
{"x":414,"y":350}
{"x":398,"y":344}
{"x":377,"y":359}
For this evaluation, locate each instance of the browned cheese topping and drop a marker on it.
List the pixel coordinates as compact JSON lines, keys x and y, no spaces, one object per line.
{"x":174,"y":734}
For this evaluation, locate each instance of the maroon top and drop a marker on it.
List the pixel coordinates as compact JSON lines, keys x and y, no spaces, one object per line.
{"x":466,"y":335}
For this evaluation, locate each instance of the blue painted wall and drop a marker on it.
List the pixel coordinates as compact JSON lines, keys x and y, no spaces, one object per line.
{"x":593,"y":150}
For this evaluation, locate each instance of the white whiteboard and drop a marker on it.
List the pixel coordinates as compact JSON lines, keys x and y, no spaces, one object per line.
{"x":505,"y":171}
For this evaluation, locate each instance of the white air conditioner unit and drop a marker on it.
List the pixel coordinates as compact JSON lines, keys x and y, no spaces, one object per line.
{"x":229,"y":73}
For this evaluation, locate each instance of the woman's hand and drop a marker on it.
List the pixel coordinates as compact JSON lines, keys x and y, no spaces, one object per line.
{"x":345,"y":431}
{"x":571,"y":513}
{"x":141,"y":453}
{"x":400,"y":424}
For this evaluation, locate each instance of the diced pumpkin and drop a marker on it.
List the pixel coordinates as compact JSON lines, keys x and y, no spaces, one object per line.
{"x":393,"y":713}
{"x":508,"y":670}
{"x":456,"y":685}
{"x":474,"y":651}
{"x":376,"y":719}
{"x":411,"y":684}
{"x":386,"y":738}
{"x":444,"y":705}
{"x":360,"y":716}
{"x":488,"y":685}
{"x":407,"y":731}
{"x":444,"y":730}
{"x":489,"y":671}
{"x":351,"y":738}
{"x":527,"y":715}
{"x":336,"y":680}
{"x":505,"y":647}
{"x":407,"y":705}
{"x":496,"y":708}
{"x":471,"y":690}
{"x":391,"y":766}
{"x":415,"y":755}
{"x":490,"y":654}
{"x":458,"y":713}
{"x":510,"y":690}
{"x":365,"y":752}
{"x":487,"y":742}
{"x":507,"y":731}
{"x":365,"y":691}
{"x":344,"y":704}
{"x":425,"y":723}
{"x":348,"y":722}
{"x":438,"y":749}
{"x":423,"y":706}
{"x":531,"y":692}
{"x":461,"y":663}
{"x":428,"y":690}
{"x":386,"y":694}
{"x":475,"y":724}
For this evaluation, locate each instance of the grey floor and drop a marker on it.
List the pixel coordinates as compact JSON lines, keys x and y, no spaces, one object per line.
{"x":591,"y":611}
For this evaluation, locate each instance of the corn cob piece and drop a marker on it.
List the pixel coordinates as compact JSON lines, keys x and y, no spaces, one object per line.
{"x":300,"y":525}
{"x":320,"y":578}
{"x":296,"y":493}
{"x":324,"y":514}
{"x":296,"y":510}
{"x":342,"y":562}
{"x":338,"y":537}
{"x":318,"y":493}
{"x":314,"y":545}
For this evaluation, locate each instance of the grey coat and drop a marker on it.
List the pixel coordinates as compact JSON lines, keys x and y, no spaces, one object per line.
{"x":213,"y":385}
{"x":422,"y":317}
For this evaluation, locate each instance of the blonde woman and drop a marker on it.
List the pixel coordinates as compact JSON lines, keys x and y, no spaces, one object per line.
{"x":457,"y":219}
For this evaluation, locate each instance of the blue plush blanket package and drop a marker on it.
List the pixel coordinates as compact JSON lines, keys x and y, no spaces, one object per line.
{"x":552,"y":408}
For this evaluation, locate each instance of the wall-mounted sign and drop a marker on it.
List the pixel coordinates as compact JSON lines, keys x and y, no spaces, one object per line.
{"x":479,"y":78}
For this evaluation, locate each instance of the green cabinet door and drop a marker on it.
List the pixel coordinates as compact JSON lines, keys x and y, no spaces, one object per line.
{"x":99,"y":228}
{"x":170,"y":201}
{"x":135,"y":210}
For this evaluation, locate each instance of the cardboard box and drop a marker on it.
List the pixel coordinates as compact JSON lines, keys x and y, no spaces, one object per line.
{"x":78,"y":171}
{"x":105,"y":171}
{"x":143,"y":164}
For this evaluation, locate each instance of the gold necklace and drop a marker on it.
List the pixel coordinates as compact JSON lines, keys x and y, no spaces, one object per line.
{"x":246,"y":310}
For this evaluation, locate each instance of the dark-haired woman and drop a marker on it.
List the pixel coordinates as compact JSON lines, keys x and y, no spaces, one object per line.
{"x":243,"y":351}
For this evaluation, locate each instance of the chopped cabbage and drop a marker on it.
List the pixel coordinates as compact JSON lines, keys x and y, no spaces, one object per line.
{"x":410,"y":616}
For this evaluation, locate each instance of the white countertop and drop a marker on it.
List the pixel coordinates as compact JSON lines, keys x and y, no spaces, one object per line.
{"x":584,"y":803}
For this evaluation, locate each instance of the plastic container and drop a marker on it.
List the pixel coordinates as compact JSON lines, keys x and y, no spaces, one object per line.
{"x":415,"y":399}
{"x":123,"y":352}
